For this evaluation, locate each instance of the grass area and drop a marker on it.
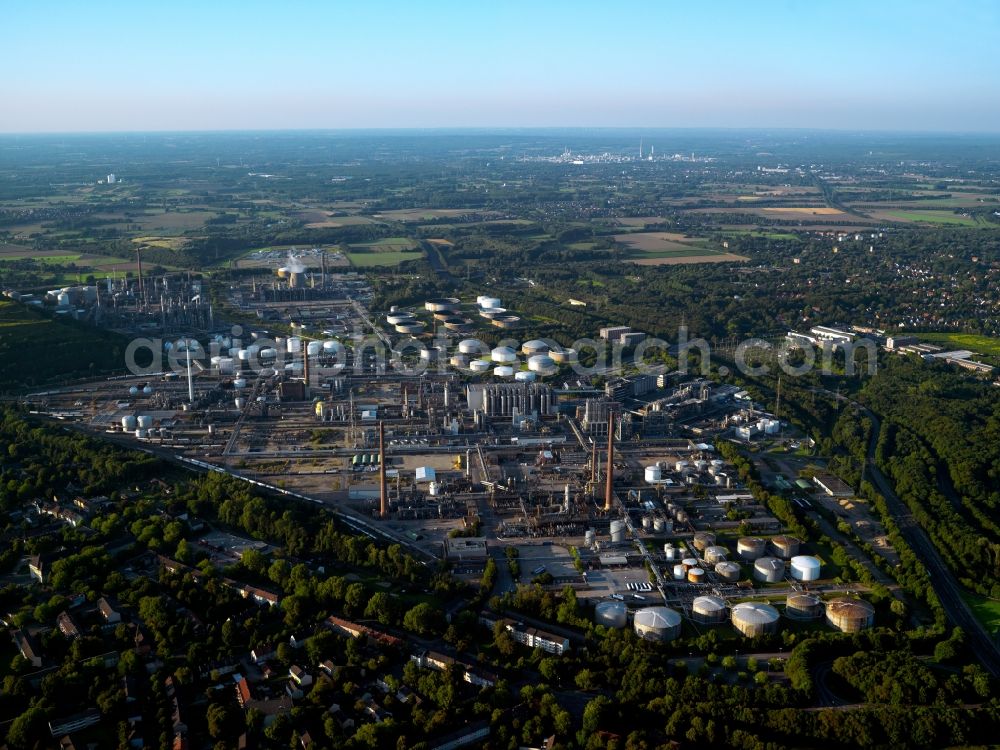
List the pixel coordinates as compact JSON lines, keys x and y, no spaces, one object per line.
{"x":986,"y":610}
{"x":986,"y":345}
{"x":374,"y":259}
{"x":933,"y":217}
{"x":390,"y":242}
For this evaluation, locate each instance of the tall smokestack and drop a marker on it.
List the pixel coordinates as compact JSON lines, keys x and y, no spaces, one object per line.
{"x":305,"y":367}
{"x":593,"y":464}
{"x":383,"y":492}
{"x":609,"y":484}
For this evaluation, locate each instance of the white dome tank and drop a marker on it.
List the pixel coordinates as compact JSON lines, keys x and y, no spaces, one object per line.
{"x":657,"y":624}
{"x":653,"y":474}
{"x":503,"y":354}
{"x":524,"y":376}
{"x":479,"y":365}
{"x":313,"y":348}
{"x":472,"y":346}
{"x":755,"y":618}
{"x":708,"y":609}
{"x":129,"y":423}
{"x":805,"y":568}
{"x":611,"y":614}
{"x":542,"y":363}
{"x":535,"y":346}
{"x":503,"y":371}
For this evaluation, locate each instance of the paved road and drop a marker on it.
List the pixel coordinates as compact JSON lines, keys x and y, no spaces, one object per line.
{"x":942,"y":580}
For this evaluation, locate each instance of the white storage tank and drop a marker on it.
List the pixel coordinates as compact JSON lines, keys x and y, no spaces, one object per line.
{"x":805,"y":568}
{"x":769,"y":569}
{"x":472,"y":346}
{"x":563,"y":356}
{"x":679,"y":572}
{"x":313,"y":348}
{"x":589,"y":537}
{"x":541,"y":363}
{"x":535,"y":346}
{"x":503,"y":371}
{"x":395,"y":318}
{"x":129,"y":423}
{"x":145,"y":421}
{"x":479,"y":365}
{"x":751,"y":547}
{"x":647,"y":523}
{"x":653,"y":474}
{"x":754,"y":618}
{"x":617,"y":531}
{"x":785,"y":546}
{"x":524,"y":376}
{"x":294,"y":345}
{"x":669,"y":551}
{"x":487,"y":303}
{"x":331,"y":347}
{"x":659,"y":524}
{"x":708,"y":609}
{"x":657,"y":624}
{"x":503,"y":355}
{"x":611,"y":614}
{"x":728,"y":571}
{"x":679,"y":466}
{"x":689,"y":562}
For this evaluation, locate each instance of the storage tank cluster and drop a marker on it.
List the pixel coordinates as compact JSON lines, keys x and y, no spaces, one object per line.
{"x":769,"y":569}
{"x":803,"y":606}
{"x":542,"y":364}
{"x":850,"y":615}
{"x":708,"y":609}
{"x":659,"y":624}
{"x":535,"y":346}
{"x":754,"y":618}
{"x":696,"y":575}
{"x":611,"y":614}
{"x":751,"y":547}
{"x":805,"y":568}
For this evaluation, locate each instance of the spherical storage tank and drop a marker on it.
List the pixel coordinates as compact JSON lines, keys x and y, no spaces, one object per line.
{"x":653,"y":474}
{"x":803,"y":606}
{"x":754,"y":618}
{"x":708,"y":609}
{"x":850,"y":615}
{"x":751,"y":547}
{"x":805,"y":568}
{"x":657,"y":624}
{"x":503,"y":354}
{"x":785,"y":546}
{"x":715,"y":554}
{"x":611,"y":614}
{"x":703,"y":539}
{"x":769,"y":569}
{"x":728,"y":571}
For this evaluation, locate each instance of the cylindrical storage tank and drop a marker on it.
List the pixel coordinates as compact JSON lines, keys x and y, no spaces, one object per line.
{"x":411,"y":327}
{"x":700,"y":465}
{"x":240,"y":403}
{"x":696,"y":575}
{"x":239,"y":384}
{"x":214,"y":361}
{"x":145,"y":421}
{"x":442,"y":304}
{"x":708,"y":609}
{"x":769,"y":569}
{"x":803,"y":606}
{"x":703,"y":540}
{"x":753,"y":618}
{"x":715,"y":466}
{"x":542,"y":364}
{"x":458,"y":324}
{"x":715,"y":554}
{"x":63,"y":299}
{"x":269,"y":353}
{"x":785,"y":546}
{"x":503,"y":371}
{"x":681,"y":516}
{"x":659,"y":524}
{"x":488,"y":303}
{"x":430,"y":354}
{"x":226,"y":365}
{"x":243,"y":355}
{"x":141,"y":433}
{"x":805,"y":568}
{"x":680,"y":465}
{"x":479,"y":365}
{"x":313,"y":348}
{"x":472,"y":346}
{"x":728,"y":571}
{"x":611,"y":614}
{"x":653,"y":474}
{"x":689,"y":562}
{"x":460,"y":361}
{"x":506,"y":321}
{"x":535,"y":346}
{"x":679,"y":572}
{"x":751,"y":547}
{"x":492,"y":312}
{"x":669,"y":551}
{"x":850,"y":615}
{"x":129,"y":423}
{"x":589,"y":537}
{"x":330,"y":347}
{"x":647,"y":523}
{"x":617,"y":531}
{"x":524,"y":376}
{"x":293,"y":345}
{"x":399,"y":317}
{"x":563,"y":356}
{"x":433,"y":489}
{"x":503,"y":354}
{"x":657,"y":624}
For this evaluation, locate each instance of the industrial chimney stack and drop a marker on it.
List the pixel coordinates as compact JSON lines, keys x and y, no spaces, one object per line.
{"x":609,"y":486}
{"x":383,"y":492}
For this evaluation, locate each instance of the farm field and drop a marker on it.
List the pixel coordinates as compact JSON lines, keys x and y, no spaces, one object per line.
{"x":927,"y":217}
{"x":317,"y":219}
{"x":423,"y":214}
{"x":987,"y":611}
{"x":171,"y":222}
{"x":385,"y":258}
{"x":669,"y":248}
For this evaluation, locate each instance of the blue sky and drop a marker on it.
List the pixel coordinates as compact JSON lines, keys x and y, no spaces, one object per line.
{"x":89,"y":65}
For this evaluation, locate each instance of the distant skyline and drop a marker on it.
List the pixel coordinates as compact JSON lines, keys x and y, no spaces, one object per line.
{"x":254,"y":65}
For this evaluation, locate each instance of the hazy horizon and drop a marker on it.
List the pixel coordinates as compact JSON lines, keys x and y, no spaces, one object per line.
{"x":251,"y":66}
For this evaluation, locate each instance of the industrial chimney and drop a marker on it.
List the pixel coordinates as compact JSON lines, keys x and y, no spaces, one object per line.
{"x":609,"y":485}
{"x":383,"y":492}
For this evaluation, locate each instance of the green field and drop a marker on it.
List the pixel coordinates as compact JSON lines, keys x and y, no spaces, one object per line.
{"x":986,"y":610}
{"x":933,"y":217}
{"x":385,"y":244}
{"x":384,"y":258}
{"x":985,"y":345}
